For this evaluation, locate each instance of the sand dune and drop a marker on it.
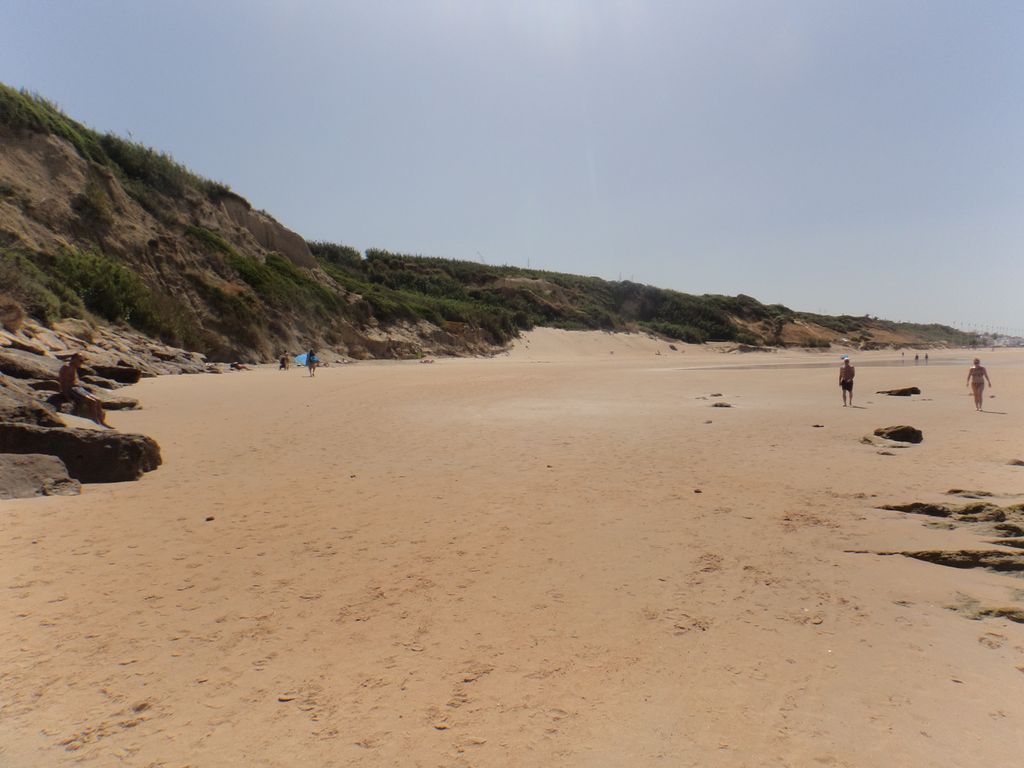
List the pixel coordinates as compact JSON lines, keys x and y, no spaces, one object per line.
{"x":560,"y":556}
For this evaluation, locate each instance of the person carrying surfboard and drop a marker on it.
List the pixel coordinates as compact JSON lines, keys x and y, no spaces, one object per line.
{"x":312,"y":362}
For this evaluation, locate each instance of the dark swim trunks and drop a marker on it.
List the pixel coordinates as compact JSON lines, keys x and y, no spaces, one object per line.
{"x":79,"y":394}
{"x":847,"y":385}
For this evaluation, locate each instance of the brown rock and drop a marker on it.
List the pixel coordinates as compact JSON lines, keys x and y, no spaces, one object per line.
{"x":80,"y":329}
{"x":99,"y":381}
{"x":17,"y":341}
{"x":112,"y":402}
{"x":901,"y":434}
{"x":18,"y":404}
{"x":25,"y":475}
{"x":25,"y":365}
{"x":89,"y":455}
{"x":122,"y":374}
{"x":108,"y":400}
{"x":968,"y":558}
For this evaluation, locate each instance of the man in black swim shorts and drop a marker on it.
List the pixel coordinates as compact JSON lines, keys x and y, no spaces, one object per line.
{"x":846,"y":374}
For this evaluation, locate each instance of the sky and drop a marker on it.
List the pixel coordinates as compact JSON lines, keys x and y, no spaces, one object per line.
{"x":861,"y":157}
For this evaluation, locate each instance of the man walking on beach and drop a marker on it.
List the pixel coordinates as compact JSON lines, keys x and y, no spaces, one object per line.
{"x":846,"y":374}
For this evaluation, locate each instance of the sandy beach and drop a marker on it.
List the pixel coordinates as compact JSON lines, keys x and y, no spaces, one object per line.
{"x":562,"y":556}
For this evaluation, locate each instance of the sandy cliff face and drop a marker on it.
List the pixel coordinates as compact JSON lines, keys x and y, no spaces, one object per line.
{"x":193,"y":251}
{"x":268,"y":233}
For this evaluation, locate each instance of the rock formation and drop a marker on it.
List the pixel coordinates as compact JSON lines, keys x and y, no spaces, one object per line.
{"x":90,"y":456}
{"x":901,"y":434}
{"x":31,"y":474}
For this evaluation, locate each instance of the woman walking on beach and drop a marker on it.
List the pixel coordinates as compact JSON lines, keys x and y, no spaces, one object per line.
{"x":976,"y":378}
{"x":311,"y":362}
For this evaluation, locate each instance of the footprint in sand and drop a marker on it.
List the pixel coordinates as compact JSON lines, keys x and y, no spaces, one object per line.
{"x":992,"y":640}
{"x":709,"y":562}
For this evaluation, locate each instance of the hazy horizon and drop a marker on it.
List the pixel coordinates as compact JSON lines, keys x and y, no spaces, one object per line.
{"x":845,"y":158}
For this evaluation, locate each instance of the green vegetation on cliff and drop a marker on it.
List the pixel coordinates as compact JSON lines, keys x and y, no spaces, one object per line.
{"x":504,"y":300}
{"x":73,"y":282}
{"x":190,"y":263}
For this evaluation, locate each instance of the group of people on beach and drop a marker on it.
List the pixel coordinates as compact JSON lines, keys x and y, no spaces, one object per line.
{"x":68,"y":379}
{"x":80,"y":398}
{"x":977,"y":375}
{"x":312,"y":362}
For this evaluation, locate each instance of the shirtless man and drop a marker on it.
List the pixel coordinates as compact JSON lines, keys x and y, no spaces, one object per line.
{"x":846,"y":374}
{"x":78,"y":396}
{"x":976,"y":378}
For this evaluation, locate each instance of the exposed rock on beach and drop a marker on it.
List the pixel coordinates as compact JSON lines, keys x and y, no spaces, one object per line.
{"x":26,"y":475}
{"x":31,"y":406}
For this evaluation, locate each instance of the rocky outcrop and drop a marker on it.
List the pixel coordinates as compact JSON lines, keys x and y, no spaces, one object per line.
{"x":109,"y":401}
{"x":122,"y":374}
{"x":901,"y":434}
{"x":114,"y":357}
{"x":19,"y":404}
{"x":25,"y":365}
{"x":31,"y":403}
{"x":89,"y":455}
{"x":23,"y":476}
{"x":1001,"y":562}
{"x":969,"y":513}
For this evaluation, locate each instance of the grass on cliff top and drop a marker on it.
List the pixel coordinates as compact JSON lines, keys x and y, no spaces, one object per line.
{"x":130,"y":160}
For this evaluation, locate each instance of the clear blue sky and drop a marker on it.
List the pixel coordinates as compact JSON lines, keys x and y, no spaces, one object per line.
{"x":848,"y":157}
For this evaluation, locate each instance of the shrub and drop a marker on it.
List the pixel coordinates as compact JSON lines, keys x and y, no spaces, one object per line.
{"x":337,"y":255}
{"x":26,"y":284}
{"x":12,"y":314}
{"x":685,"y":333}
{"x":93,"y":208}
{"x":109,"y":289}
{"x":104,"y":286}
{"x":238,"y":315}
{"x":279,"y":282}
{"x":211,"y":240}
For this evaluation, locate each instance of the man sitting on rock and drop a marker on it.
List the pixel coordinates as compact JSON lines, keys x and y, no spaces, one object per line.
{"x":77,"y":395}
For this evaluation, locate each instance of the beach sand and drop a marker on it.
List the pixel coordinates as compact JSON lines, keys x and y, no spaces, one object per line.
{"x":562,"y":556}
